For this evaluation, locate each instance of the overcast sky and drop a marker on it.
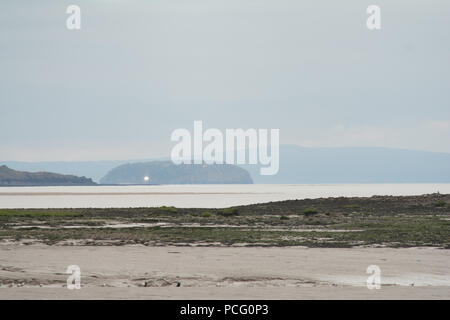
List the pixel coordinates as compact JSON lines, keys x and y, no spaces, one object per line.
{"x":137,"y":70}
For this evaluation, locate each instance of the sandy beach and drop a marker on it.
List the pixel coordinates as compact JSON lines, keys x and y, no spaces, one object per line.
{"x":299,"y":249}
{"x":38,"y":271}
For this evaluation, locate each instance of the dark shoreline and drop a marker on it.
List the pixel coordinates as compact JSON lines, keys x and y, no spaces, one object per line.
{"x":386,"y":221}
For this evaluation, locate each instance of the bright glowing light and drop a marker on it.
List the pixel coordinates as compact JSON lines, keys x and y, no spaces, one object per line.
{"x":146,"y":178}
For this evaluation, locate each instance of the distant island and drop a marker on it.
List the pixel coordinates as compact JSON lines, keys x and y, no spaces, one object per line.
{"x":300,"y":165}
{"x":166,"y":172}
{"x":10,"y":177}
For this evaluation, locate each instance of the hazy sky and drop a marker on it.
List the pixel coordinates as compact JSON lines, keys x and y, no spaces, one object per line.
{"x":137,"y":70}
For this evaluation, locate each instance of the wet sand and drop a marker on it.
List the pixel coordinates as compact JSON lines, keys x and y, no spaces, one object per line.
{"x":139,"y":272}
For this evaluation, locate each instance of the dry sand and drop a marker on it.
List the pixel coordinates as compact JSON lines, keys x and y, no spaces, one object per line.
{"x":139,"y":272}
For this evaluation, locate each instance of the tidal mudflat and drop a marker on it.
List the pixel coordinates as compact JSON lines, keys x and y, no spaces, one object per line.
{"x":312,"y":248}
{"x":146,"y":272}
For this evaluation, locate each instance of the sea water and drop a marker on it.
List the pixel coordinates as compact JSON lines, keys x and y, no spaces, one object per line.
{"x":196,"y":196}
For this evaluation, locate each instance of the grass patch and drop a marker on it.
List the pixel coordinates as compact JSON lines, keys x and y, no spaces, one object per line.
{"x":440,"y":204}
{"x":310,"y":211}
{"x":206,"y":214}
{"x":228,"y":212}
{"x":38,"y":213}
{"x":168,"y":209}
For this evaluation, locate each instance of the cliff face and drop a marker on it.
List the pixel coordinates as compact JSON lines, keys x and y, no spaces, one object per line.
{"x":10,"y":177}
{"x":165,"y":172}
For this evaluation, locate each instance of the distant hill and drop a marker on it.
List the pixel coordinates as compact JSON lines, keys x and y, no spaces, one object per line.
{"x":356,"y":165}
{"x":92,"y":169}
{"x":304,"y":165}
{"x":165,"y":172}
{"x":10,"y":177}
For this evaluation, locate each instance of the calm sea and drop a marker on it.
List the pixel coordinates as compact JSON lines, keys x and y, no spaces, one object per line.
{"x":201,"y":196}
